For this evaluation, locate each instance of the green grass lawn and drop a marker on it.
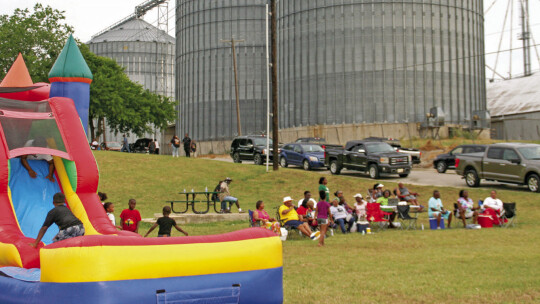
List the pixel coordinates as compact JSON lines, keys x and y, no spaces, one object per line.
{"x":449,"y":266}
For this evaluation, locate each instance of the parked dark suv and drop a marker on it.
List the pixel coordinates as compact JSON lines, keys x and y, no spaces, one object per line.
{"x":447,"y":161}
{"x":140,"y":145}
{"x":250,"y":148}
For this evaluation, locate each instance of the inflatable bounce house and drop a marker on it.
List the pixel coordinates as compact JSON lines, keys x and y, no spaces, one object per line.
{"x":105,"y":265}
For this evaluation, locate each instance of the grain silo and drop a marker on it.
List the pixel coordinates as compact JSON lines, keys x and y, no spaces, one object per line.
{"x":205,"y":78}
{"x":386,"y":63}
{"x":146,"y":53}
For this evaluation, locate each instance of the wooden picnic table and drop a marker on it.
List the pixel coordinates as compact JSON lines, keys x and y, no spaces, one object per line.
{"x":192,"y":200}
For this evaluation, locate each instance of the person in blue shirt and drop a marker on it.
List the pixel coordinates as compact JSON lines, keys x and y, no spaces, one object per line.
{"x":125,"y":145}
{"x":436,"y":209}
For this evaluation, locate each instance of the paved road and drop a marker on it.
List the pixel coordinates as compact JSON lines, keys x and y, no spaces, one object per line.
{"x":418,"y":176}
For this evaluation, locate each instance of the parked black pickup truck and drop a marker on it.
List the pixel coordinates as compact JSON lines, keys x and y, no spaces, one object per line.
{"x":371,"y":157}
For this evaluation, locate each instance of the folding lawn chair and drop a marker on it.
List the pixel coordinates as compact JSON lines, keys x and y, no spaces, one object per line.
{"x":376,"y":216}
{"x":404,"y":216}
{"x":509,"y":215}
{"x":288,"y":228}
{"x":252,"y":222}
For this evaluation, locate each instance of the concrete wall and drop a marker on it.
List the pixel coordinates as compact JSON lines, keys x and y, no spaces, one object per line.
{"x":340,"y":134}
{"x":516,"y":127}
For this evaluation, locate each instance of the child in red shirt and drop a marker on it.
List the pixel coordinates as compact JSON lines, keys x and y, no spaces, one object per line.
{"x":131,"y":217}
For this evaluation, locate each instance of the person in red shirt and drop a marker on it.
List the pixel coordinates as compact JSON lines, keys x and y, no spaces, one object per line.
{"x":131,"y":217}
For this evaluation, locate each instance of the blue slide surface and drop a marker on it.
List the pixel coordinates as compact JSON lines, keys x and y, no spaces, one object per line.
{"x":32,"y":197}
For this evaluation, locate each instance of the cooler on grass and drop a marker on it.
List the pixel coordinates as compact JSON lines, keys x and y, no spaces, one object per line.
{"x":433,"y":223}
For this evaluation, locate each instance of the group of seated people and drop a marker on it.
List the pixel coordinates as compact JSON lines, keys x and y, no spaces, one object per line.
{"x":309,"y":215}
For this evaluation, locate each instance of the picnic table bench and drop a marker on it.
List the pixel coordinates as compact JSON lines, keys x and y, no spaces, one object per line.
{"x":193,"y":198}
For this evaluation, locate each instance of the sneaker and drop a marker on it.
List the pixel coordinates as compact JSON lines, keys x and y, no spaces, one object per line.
{"x":240,"y":210}
{"x":438,"y":228}
{"x":315,"y":235}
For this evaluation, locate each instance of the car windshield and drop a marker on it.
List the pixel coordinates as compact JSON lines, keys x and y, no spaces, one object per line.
{"x":379,"y":148}
{"x":530,"y":152}
{"x":312,"y":148}
{"x":260,"y":141}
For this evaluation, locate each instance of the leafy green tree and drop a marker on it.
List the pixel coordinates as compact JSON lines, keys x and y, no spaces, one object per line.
{"x":125,"y":106}
{"x":39,"y":35}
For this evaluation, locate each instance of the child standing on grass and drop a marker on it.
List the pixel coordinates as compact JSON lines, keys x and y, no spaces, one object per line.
{"x":109,"y":208}
{"x":131,"y":217}
{"x":165,"y":224}
{"x":322,"y":213}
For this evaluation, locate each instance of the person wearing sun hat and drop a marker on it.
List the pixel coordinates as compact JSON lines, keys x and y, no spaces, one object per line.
{"x":225,"y":196}
{"x":290,"y":218}
{"x":360,"y":206}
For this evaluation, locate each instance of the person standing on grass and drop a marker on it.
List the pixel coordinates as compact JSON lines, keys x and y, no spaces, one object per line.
{"x":187,"y":144}
{"x":323,"y":215}
{"x":125,"y":145}
{"x":165,"y":224}
{"x":322,"y":187}
{"x":194,"y":148}
{"x":175,"y":145}
{"x":109,"y":208}
{"x":69,"y":225}
{"x":131,"y":217}
{"x":436,"y":209}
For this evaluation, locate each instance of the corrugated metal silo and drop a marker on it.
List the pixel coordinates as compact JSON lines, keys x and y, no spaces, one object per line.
{"x":139,"y":46}
{"x":346,"y":62}
{"x":205,"y":79}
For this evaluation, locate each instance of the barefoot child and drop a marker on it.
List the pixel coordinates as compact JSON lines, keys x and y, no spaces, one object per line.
{"x":322,"y":213}
{"x":69,"y":225}
{"x":165,"y":224}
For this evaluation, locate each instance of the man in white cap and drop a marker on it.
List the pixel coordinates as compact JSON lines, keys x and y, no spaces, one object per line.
{"x":290,"y":218}
{"x":225,"y":196}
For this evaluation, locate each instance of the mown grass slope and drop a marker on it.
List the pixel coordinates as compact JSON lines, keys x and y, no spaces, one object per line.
{"x":450,"y":266}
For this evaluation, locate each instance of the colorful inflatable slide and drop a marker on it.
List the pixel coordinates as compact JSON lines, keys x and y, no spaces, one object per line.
{"x":104,"y":265}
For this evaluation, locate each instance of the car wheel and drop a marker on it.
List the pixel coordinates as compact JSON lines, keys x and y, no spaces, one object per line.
{"x":334,"y":167}
{"x":236,"y":158}
{"x":441,"y":166}
{"x":283,"y":162}
{"x":373,"y":171}
{"x":258,"y":159}
{"x":306,"y":164}
{"x":403,"y":175}
{"x":471,"y":178}
{"x":532,"y":182}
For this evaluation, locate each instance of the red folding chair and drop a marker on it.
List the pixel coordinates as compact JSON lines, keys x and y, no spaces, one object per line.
{"x":376,"y":216}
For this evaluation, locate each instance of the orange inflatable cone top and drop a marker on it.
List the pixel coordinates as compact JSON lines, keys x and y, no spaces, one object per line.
{"x":17,"y":76}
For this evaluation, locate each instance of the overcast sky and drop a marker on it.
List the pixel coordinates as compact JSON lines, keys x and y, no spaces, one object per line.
{"x":90,"y":17}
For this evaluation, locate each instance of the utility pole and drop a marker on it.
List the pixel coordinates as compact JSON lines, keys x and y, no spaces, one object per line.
{"x":233,"y":42}
{"x":275,"y":122}
{"x":526,"y":37}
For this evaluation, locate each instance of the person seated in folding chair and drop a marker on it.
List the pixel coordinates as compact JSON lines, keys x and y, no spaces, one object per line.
{"x":305,"y":213}
{"x":466,"y":208}
{"x":383,"y":200}
{"x":494,"y":207}
{"x":262,"y":219}
{"x":436,"y":210}
{"x":405,"y":195}
{"x":290,"y":218}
